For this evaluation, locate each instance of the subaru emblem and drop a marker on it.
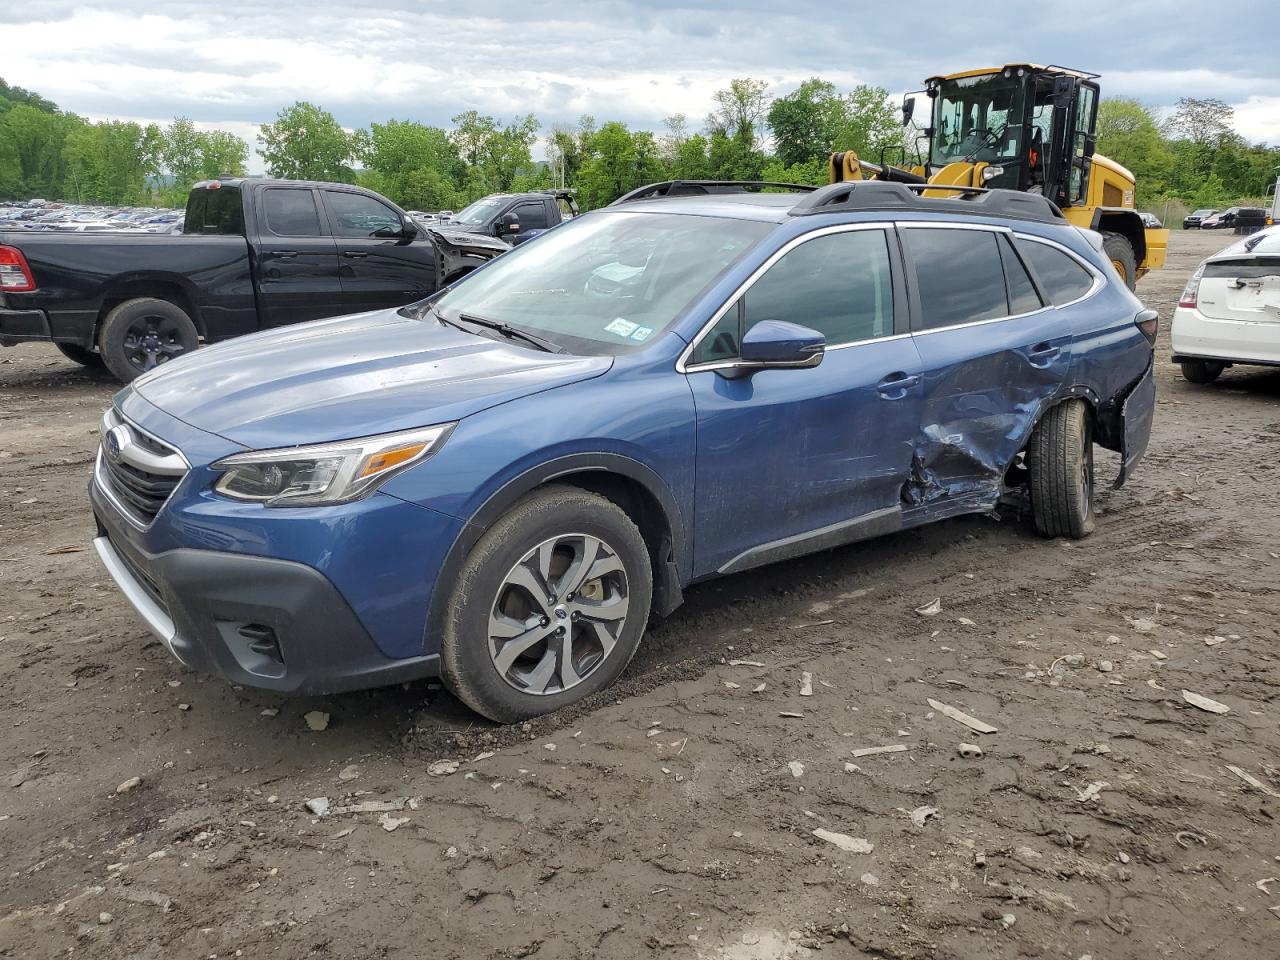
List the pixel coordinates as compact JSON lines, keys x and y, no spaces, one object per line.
{"x":115,"y":441}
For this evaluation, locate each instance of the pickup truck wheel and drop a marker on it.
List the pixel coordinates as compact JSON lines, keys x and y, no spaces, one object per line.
{"x":1060,"y":461}
{"x":1201,"y":371}
{"x":549,"y":607}
{"x":81,"y":355}
{"x":139,"y":335}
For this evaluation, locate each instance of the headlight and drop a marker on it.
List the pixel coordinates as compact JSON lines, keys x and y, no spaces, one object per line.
{"x":328,"y":473}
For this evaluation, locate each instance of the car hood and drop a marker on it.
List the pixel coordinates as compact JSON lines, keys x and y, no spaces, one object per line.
{"x":349,"y":377}
{"x":459,"y":236}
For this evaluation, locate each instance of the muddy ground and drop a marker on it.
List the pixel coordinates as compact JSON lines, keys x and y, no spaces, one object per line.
{"x":675,"y":816}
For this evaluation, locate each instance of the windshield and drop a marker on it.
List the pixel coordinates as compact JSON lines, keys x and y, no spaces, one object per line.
{"x":977,"y":118}
{"x":479,"y":212}
{"x":607,"y":283}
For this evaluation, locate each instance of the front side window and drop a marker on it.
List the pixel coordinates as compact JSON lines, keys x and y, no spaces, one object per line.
{"x":532,"y":216}
{"x":357,"y":215}
{"x":838,"y":284}
{"x":290,"y":212}
{"x":977,"y":118}
{"x":1061,"y":277}
{"x":607,"y":283}
{"x":959,"y":276}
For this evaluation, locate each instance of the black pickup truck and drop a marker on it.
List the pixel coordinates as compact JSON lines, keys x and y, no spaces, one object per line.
{"x":515,"y":217}
{"x":253,"y":254}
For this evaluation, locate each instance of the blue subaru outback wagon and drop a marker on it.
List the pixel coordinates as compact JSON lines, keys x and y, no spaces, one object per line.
{"x":500,"y":485}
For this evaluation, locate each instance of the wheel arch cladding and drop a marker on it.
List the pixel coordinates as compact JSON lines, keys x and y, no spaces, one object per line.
{"x":634,"y":487}
{"x":151,"y":288}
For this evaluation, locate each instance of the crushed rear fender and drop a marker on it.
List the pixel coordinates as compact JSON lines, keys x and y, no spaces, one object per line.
{"x":1136,"y":415}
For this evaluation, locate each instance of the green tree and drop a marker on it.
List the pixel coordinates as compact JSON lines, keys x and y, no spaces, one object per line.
{"x":415,"y":165}
{"x":308,"y":143}
{"x":1129,"y":134}
{"x":740,"y":111}
{"x":222,"y":153}
{"x":868,"y":123}
{"x":805,"y":123}
{"x":691,"y":161}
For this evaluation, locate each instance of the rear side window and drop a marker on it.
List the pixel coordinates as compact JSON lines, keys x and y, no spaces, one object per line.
{"x":1022,"y":293}
{"x":357,"y":215}
{"x":291,"y":213}
{"x":533,"y":216}
{"x":959,"y":275}
{"x":839,"y":284}
{"x":1061,"y":278}
{"x":215,"y":212}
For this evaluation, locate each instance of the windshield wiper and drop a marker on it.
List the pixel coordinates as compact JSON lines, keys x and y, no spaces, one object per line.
{"x":512,"y":333}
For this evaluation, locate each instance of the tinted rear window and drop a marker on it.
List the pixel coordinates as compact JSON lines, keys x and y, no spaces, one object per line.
{"x":1061,"y":277}
{"x":958,"y":274}
{"x":215,"y":212}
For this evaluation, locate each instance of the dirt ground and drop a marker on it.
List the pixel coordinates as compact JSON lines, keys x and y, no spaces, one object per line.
{"x":676,"y":816}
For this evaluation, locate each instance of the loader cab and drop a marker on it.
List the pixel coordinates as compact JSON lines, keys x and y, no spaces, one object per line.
{"x":1032,"y":127}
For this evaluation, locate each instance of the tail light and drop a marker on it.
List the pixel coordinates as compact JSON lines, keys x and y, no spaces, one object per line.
{"x":15,"y":275}
{"x":1192,"y":290}
{"x":1148,"y":321}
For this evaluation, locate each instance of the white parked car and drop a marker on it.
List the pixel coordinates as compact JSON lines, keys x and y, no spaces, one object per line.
{"x":1229,"y":312}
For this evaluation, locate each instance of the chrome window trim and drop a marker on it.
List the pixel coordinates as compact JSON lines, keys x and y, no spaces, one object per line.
{"x":682,"y":362}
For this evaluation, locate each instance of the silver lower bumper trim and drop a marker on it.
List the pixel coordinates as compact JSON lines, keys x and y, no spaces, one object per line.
{"x":154,"y":615}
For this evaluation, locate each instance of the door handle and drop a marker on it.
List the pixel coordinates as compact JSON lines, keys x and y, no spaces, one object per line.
{"x":1042,"y":354}
{"x":283,"y":254}
{"x":354,"y":254}
{"x":897,"y":384}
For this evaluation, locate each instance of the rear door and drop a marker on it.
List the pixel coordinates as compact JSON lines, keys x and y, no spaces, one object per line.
{"x":791,"y":461}
{"x":993,"y":354}
{"x":380,"y":267}
{"x":297,"y":259}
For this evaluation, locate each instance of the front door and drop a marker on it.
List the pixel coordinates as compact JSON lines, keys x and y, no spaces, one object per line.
{"x":994,"y":353}
{"x":297,"y":259}
{"x":791,"y":461}
{"x":379,"y":266}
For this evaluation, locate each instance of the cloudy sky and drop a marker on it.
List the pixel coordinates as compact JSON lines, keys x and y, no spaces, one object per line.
{"x":234,"y":64}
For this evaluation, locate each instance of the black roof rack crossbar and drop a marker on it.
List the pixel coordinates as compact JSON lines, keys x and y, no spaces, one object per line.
{"x":685,"y":188}
{"x":885,"y":195}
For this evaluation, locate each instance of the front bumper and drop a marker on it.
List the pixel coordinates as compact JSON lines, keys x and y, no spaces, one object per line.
{"x":262,"y":622}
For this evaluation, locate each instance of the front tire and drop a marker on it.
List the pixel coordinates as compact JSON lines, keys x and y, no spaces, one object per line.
{"x":139,"y":335}
{"x":81,"y":355}
{"x":549,"y":607}
{"x":1119,"y":251}
{"x":1060,"y":461}
{"x":1201,"y":371}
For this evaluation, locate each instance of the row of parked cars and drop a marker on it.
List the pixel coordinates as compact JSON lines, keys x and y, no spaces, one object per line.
{"x":82,"y":218}
{"x":1244,"y":219}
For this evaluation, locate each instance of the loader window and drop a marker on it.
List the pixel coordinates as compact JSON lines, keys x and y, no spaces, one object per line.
{"x":978,"y":118}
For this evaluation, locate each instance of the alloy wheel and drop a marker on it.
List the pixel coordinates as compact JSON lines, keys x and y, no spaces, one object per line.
{"x":558,"y":614}
{"x":151,"y":341}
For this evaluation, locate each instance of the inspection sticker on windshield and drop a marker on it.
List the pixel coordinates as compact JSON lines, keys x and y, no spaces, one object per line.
{"x":642,"y":333}
{"x":623,"y":328}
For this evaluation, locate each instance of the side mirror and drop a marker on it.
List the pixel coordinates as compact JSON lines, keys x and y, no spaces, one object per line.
{"x":508,"y":224}
{"x":908,"y":109}
{"x":1063,"y":90}
{"x":776,"y":343}
{"x":408,"y":228}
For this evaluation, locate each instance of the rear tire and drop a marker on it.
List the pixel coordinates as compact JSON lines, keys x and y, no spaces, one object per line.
{"x":81,"y":355}
{"x":140,"y":335}
{"x":1060,"y":460}
{"x":1201,"y":371}
{"x":594,"y":625}
{"x":1119,"y":251}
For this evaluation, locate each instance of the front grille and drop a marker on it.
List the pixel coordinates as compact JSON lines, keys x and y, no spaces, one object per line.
{"x":144,"y":579}
{"x":138,"y":472}
{"x":144,"y":492}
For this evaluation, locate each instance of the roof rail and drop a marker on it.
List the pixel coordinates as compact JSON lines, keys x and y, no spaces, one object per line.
{"x":686,"y":188}
{"x":885,"y":195}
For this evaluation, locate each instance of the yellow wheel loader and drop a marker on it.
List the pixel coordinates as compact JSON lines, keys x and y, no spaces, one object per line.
{"x":1031,"y":128}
